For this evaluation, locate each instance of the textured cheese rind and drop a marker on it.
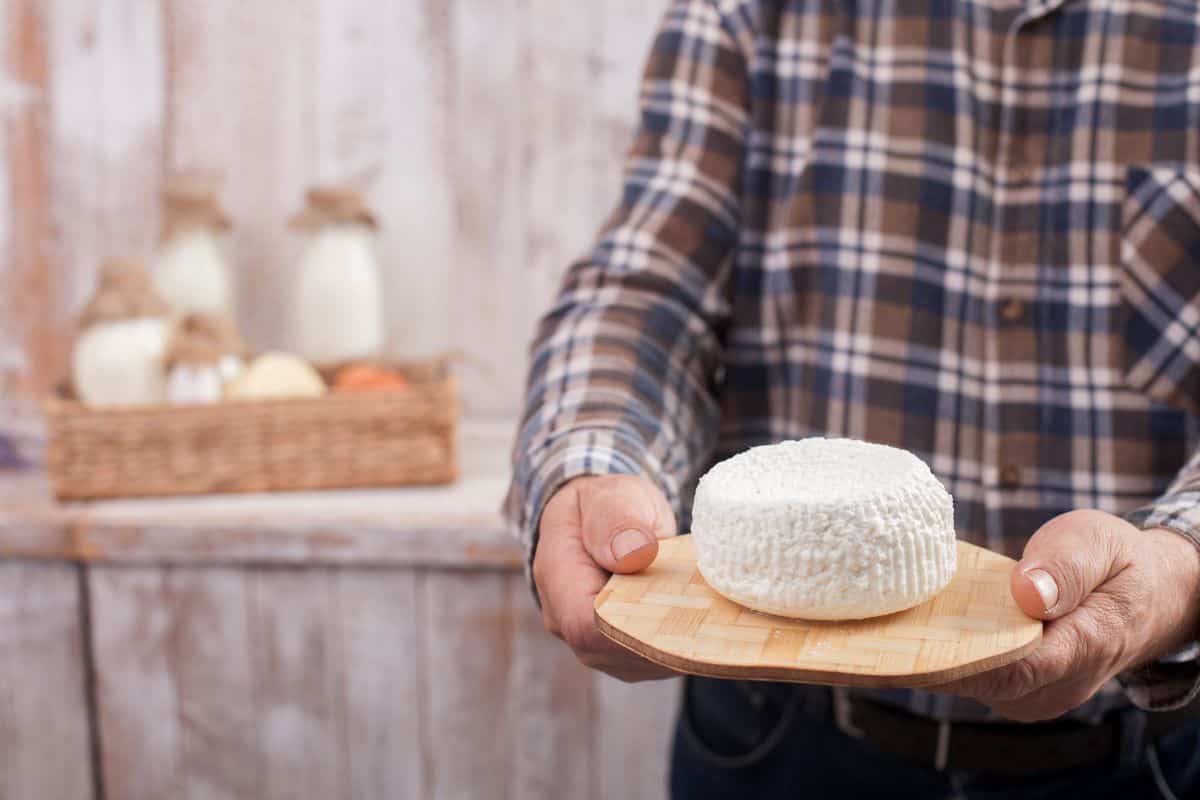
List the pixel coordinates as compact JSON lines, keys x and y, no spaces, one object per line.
{"x":824,"y":529}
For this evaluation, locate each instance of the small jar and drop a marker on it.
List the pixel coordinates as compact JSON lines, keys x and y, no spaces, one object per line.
{"x":118,"y":354}
{"x":336,"y":313}
{"x":190,"y":269}
{"x":204,"y":356}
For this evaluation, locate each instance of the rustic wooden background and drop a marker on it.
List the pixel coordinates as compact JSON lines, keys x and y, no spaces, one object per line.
{"x":488,"y":133}
{"x":366,"y":644}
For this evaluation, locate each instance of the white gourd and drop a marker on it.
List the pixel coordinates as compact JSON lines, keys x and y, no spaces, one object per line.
{"x":277,"y":375}
{"x":120,"y":362}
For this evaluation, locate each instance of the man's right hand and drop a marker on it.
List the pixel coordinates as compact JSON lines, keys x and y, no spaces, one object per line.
{"x":593,"y":526}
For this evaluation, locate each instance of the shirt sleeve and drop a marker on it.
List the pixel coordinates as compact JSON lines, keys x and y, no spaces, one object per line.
{"x":623,"y":364}
{"x":1174,"y":680}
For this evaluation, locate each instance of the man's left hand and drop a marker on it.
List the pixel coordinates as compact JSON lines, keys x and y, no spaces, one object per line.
{"x":1113,"y":596}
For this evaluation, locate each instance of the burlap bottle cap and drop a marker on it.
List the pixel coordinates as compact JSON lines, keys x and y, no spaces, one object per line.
{"x":201,"y":338}
{"x":125,"y":291}
{"x":330,"y":204}
{"x":190,"y":201}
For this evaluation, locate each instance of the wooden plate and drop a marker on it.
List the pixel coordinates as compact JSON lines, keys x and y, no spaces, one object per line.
{"x":669,"y":615}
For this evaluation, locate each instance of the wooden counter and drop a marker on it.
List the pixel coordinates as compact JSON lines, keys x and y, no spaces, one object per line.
{"x":339,"y":644}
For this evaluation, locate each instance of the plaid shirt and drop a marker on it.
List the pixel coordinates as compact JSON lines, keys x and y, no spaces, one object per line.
{"x":967,"y":228}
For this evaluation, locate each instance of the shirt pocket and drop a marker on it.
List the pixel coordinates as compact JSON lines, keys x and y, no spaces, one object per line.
{"x":1160,"y":283}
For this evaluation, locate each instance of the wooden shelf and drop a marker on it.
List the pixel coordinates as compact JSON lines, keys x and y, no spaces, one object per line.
{"x":457,"y":525}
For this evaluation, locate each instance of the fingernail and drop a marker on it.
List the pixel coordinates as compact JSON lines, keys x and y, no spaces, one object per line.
{"x":627,"y":542}
{"x":1047,"y":589}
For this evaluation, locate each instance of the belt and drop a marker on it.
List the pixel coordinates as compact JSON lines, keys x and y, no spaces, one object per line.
{"x":1001,"y":748}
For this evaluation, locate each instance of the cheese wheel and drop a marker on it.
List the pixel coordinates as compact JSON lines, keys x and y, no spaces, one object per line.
{"x":824,"y":529}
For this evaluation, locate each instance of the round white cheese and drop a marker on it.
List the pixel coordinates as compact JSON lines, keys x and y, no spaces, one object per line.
{"x":824,"y":529}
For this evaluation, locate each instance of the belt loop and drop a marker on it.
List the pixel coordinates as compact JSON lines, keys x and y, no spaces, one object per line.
{"x":942,"y":754}
{"x":1132,"y":744}
{"x":843,"y":714}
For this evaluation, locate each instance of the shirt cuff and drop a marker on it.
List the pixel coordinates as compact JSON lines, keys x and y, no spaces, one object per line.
{"x":1177,"y":511}
{"x":1168,"y":683}
{"x":1173,"y":680}
{"x":542,"y":472}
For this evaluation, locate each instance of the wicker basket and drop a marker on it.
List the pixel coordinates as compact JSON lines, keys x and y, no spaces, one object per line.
{"x":336,"y":441}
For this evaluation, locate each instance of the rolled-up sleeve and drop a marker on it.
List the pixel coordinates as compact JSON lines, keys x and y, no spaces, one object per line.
{"x":623,"y":365}
{"x":1174,"y":680}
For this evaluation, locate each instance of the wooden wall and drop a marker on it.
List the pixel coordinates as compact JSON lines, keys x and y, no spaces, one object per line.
{"x":307,"y":682}
{"x":339,"y":682}
{"x":365,"y":644}
{"x":45,"y":739}
{"x":488,"y":132}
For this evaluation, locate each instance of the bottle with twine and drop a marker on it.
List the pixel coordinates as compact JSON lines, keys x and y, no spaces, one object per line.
{"x":205,"y":354}
{"x":118,"y":353}
{"x":191,"y":270}
{"x":336,"y":313}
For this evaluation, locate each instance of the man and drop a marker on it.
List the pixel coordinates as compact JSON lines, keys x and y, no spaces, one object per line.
{"x":967,"y":228}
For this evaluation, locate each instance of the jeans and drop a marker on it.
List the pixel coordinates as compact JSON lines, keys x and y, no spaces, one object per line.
{"x":734,"y":739}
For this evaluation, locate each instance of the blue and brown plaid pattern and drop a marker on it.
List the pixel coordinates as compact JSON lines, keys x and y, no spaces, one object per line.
{"x":968,"y":228}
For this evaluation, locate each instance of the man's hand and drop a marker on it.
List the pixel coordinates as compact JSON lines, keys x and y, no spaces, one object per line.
{"x":1114,"y":597}
{"x":591,"y":527}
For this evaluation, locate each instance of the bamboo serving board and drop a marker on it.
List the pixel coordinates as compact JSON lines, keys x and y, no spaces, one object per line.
{"x":668,"y":614}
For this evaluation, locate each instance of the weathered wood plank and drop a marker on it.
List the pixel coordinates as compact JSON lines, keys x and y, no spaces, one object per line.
{"x":106,"y":98}
{"x":366,"y":683}
{"x":257,"y":683}
{"x":382,"y":99}
{"x":633,"y":726}
{"x":552,"y":709}
{"x":209,"y":646}
{"x":490,"y":272}
{"x":469,"y":624}
{"x":29,"y":343}
{"x":138,"y":714}
{"x":44,"y":737}
{"x":458,"y":525}
{"x":539,"y":134}
{"x":240,"y":81}
{"x":202,"y":70}
{"x":562,"y":133}
{"x":298,"y":678}
{"x":379,"y":645}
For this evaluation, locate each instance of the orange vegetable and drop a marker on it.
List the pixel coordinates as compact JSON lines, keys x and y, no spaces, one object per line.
{"x":368,"y":378}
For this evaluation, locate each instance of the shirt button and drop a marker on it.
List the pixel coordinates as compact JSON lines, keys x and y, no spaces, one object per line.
{"x":1010,"y":476}
{"x":1012,"y":310}
{"x":1018,"y":162}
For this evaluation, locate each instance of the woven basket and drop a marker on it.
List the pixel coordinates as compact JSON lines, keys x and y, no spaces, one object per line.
{"x":340,"y":440}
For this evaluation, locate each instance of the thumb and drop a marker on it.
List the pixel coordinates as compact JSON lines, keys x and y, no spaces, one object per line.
{"x":623,"y":517}
{"x":1065,"y":561}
